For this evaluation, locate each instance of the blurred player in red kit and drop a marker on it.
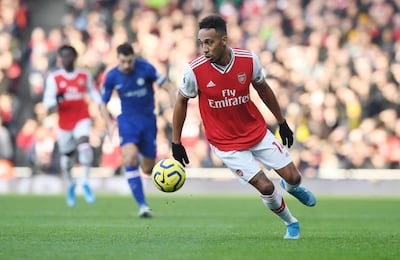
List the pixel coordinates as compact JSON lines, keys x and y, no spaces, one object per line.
{"x":67,"y":89}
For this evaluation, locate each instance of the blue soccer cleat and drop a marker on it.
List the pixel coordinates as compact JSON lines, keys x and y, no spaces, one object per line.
{"x":89,"y":196}
{"x":293,"y":231}
{"x":302,"y":194}
{"x":71,"y":198}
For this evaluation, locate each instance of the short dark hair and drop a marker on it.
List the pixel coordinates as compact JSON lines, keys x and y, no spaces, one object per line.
{"x":125,"y":49}
{"x":214,"y":21}
{"x":67,"y":48}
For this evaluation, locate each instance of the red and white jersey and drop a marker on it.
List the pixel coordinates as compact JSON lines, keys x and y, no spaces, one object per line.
{"x":74,"y":86}
{"x":231,"y":120}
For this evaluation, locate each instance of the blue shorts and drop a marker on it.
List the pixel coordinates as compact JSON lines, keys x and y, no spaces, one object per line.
{"x":141,"y":131}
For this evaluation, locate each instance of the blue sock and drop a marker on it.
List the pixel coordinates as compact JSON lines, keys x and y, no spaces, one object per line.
{"x":135,"y":183}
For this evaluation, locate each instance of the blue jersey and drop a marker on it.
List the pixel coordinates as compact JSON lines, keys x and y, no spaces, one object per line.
{"x":137,"y":121}
{"x":135,"y":90}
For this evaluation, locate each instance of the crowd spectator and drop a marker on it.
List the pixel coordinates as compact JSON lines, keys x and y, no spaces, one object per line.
{"x":6,"y":146}
{"x":334,"y":66}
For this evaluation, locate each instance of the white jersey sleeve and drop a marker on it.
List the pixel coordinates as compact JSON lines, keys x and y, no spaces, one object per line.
{"x":189,"y":86}
{"x":258,"y":74}
{"x":50,"y":92}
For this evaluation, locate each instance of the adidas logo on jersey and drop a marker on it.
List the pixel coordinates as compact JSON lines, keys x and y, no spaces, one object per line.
{"x":211,"y":84}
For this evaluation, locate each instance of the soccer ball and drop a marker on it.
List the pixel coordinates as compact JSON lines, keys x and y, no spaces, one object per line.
{"x":168,"y":175}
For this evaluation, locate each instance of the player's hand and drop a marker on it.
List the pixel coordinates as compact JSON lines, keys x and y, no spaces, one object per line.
{"x":286,"y":134}
{"x":179,"y":153}
{"x":60,"y":97}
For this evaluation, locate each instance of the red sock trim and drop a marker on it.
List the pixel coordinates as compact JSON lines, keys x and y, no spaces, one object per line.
{"x":281,"y":208}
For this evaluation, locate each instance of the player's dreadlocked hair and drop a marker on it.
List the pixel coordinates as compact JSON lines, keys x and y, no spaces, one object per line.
{"x":214,"y":21}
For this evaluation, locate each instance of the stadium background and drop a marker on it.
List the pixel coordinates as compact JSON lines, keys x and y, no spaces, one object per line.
{"x":334,"y":66}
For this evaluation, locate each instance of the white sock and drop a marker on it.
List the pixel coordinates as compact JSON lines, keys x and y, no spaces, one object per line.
{"x":85,"y":173}
{"x":85,"y":159}
{"x":277,"y":205}
{"x":290,"y":187}
{"x":66,"y":165}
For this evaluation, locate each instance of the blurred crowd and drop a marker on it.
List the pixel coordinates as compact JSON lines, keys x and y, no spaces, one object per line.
{"x":334,"y":66}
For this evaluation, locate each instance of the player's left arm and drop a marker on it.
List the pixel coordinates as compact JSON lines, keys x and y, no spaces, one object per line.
{"x":163,"y":82}
{"x":264,"y":90}
{"x":50,"y":94}
{"x":269,"y":99}
{"x":106,"y":92}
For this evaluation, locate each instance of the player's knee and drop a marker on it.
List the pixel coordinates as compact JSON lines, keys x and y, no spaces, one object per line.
{"x":130,"y":160}
{"x":262,"y":183}
{"x":291,"y":174}
{"x":147,"y":169}
{"x":266,"y":187}
{"x":147,"y":164}
{"x":293,"y":179}
{"x":85,"y":154}
{"x":66,"y":162}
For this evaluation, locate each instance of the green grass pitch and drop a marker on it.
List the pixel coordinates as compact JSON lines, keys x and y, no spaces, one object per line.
{"x":196,"y":227}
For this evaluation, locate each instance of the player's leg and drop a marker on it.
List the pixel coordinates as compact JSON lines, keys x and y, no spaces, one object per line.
{"x":147,"y":164}
{"x":244,"y":166}
{"x":85,"y":156}
{"x":66,"y":147}
{"x":271,"y":197}
{"x":275,"y":202}
{"x":273,"y":155}
{"x":130,"y":161}
{"x":291,"y":180}
{"x":133,"y":134}
{"x":148,"y":146}
{"x":148,"y":150}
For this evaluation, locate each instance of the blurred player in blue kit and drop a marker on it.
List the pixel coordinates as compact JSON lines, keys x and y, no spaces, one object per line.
{"x":133,"y":79}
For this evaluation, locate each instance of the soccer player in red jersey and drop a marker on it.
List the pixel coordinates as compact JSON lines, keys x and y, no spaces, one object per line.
{"x":67,"y":89}
{"x":237,"y":132}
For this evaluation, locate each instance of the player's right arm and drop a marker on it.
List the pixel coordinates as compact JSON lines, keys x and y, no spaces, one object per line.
{"x":187,"y":90}
{"x":178,"y":119}
{"x":268,"y":97}
{"x":50,"y":93}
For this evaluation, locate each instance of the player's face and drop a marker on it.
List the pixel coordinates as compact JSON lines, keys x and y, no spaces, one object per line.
{"x":125,"y":63}
{"x":67,"y":59}
{"x":213,"y":46}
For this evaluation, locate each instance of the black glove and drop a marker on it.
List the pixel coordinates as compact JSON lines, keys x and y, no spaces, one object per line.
{"x":60,"y":97}
{"x":286,"y":134}
{"x":179,"y":153}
